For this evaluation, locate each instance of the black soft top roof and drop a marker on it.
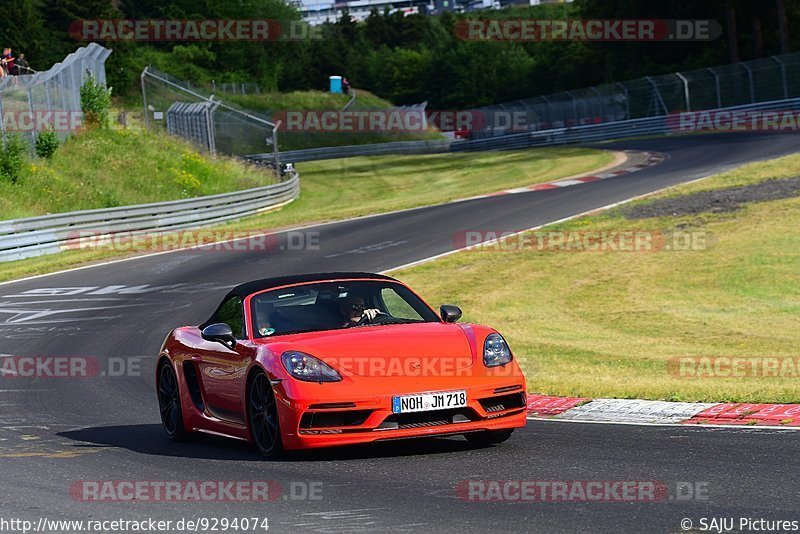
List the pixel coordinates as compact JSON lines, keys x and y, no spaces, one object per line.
{"x":248,"y":288}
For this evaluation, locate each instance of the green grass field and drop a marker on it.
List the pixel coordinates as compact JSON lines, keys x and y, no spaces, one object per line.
{"x":351,"y":187}
{"x":306,"y":100}
{"x":342,"y":188}
{"x":102,"y":169}
{"x":607,"y":324}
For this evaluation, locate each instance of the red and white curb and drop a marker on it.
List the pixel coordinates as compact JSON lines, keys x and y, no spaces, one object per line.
{"x":633,"y":411}
{"x":650,"y":159}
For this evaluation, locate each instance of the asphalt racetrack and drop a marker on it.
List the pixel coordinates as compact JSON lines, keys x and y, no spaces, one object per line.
{"x":55,"y":433}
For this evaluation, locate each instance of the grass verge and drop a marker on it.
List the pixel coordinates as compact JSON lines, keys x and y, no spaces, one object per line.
{"x":297,"y":100}
{"x":103,"y":169}
{"x":351,"y":187}
{"x":344,"y":188}
{"x":615,"y":324}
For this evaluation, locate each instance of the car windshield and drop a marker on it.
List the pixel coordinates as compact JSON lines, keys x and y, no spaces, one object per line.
{"x":336,"y":305}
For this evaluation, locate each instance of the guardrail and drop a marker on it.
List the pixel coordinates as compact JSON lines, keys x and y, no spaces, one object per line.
{"x":375,"y":149}
{"x":47,"y":234}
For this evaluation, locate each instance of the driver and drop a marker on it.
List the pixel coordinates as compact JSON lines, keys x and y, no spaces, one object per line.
{"x":354,"y":310}
{"x":264,"y":312}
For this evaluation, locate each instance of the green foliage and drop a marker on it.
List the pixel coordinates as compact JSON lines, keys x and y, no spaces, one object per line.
{"x":58,"y":16}
{"x":22,"y":28}
{"x":46,"y":144}
{"x":405,"y":59}
{"x":95,"y":103}
{"x":12,"y":158}
{"x":118,"y":167}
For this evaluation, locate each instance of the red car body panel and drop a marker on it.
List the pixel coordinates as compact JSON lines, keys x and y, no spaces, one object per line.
{"x":376,"y":363}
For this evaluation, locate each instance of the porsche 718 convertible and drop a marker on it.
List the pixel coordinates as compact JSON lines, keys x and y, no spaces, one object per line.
{"x":309,"y":361}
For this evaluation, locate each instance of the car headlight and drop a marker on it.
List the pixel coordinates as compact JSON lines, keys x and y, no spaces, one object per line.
{"x":303,"y":366}
{"x":495,"y":351}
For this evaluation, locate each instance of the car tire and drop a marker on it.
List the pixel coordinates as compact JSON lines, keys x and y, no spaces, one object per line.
{"x":262,"y":414}
{"x":489,"y":437}
{"x":169,"y":402}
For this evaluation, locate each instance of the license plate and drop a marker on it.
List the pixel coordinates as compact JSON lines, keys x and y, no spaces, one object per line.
{"x":424,"y":402}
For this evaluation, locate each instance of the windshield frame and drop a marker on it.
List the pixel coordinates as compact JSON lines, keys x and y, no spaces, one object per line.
{"x":250,"y":302}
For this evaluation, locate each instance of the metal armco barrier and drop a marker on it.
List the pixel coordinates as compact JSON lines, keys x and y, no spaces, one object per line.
{"x":35,"y":236}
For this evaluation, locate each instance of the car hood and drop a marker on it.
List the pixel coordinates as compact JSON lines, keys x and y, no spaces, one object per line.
{"x":421,"y":349}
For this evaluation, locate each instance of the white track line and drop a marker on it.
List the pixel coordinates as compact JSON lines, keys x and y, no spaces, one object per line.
{"x":559,"y":221}
{"x":682,"y":425}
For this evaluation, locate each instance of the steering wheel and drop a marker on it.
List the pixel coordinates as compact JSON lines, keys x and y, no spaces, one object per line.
{"x":366,"y":320}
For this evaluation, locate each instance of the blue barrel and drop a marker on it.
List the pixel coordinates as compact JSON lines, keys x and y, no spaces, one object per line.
{"x":336,"y":84}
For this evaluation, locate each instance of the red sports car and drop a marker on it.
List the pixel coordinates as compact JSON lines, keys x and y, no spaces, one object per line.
{"x":331,"y":359}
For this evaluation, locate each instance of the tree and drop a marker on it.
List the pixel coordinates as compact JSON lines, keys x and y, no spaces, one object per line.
{"x":783,"y":26}
{"x":60,"y":14}
{"x":23,"y":29}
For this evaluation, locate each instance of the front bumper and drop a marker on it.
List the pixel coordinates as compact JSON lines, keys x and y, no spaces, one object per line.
{"x":323,"y":415}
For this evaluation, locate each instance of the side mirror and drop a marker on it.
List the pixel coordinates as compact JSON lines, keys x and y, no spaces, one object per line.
{"x":450,"y":313}
{"x":220,"y":333}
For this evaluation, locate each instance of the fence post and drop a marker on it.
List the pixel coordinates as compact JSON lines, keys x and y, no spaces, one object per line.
{"x":574,"y":107}
{"x":685,"y":90}
{"x":716,"y":83}
{"x":783,"y":77}
{"x":278,"y":170}
{"x":2,"y":121}
{"x":657,"y":97}
{"x":549,"y":108}
{"x":144,"y":95}
{"x":750,"y":76}
{"x":602,"y":104}
{"x":211,"y":107}
{"x":627,"y":100}
{"x":30,"y":108}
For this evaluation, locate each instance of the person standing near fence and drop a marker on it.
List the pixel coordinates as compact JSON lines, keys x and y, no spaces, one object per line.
{"x":21,"y":65}
{"x":7,"y":60}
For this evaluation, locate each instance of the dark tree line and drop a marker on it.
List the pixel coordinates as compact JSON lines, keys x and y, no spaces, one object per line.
{"x":408,"y":59}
